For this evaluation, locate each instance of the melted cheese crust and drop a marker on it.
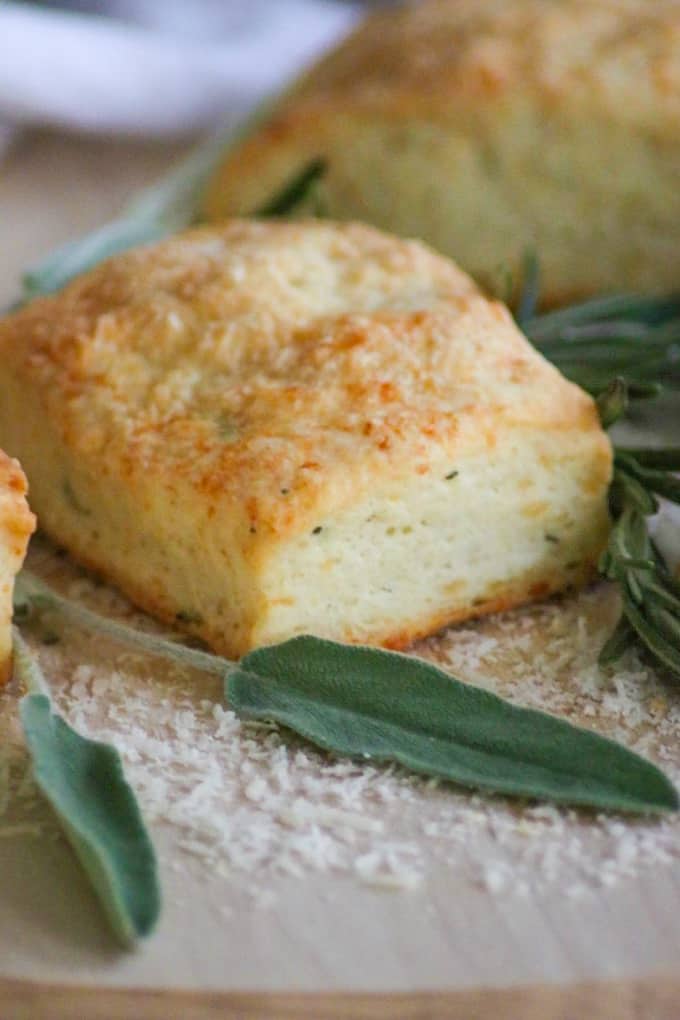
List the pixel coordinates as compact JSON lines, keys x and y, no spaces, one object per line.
{"x":489,"y":126}
{"x":16,"y":526}
{"x":232,"y":423}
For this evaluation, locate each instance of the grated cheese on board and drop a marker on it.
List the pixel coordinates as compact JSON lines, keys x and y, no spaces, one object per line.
{"x":252,"y":804}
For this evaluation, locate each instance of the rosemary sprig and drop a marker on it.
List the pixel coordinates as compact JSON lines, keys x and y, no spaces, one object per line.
{"x":631,"y":336}
{"x":617,"y":348}
{"x":650,"y":594}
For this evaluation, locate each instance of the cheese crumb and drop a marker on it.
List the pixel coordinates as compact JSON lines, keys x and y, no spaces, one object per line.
{"x":253,"y":804}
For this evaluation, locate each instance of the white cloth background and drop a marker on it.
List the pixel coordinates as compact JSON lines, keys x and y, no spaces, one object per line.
{"x":157,"y":67}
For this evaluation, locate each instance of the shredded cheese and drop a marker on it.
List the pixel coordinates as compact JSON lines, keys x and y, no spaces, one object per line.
{"x":254,"y":805}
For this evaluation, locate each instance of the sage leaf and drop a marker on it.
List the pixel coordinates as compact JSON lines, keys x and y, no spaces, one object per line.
{"x":319,"y":689}
{"x":83,"y":782}
{"x":369,"y":703}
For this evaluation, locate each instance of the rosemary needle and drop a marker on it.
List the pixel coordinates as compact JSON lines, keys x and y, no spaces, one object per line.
{"x":634,"y":337}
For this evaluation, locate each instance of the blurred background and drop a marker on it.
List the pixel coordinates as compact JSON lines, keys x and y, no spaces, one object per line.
{"x":102,"y":98}
{"x":154,"y":68}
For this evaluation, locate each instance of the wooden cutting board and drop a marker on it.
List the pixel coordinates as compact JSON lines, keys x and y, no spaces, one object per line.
{"x":364,"y":894}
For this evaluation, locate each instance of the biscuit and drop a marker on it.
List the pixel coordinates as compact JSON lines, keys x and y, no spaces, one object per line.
{"x":16,"y":526}
{"x":261,"y":429}
{"x":489,"y":128}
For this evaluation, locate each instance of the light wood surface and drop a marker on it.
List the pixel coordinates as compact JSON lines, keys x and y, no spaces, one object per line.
{"x":329,"y":948}
{"x":654,"y":999}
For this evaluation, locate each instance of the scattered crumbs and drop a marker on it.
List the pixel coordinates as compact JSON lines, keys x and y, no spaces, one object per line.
{"x":250,"y":805}
{"x":496,"y":877}
{"x":302,"y":811}
{"x":389,"y":868}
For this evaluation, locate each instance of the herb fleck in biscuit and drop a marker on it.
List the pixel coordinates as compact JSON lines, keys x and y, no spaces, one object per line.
{"x":261,"y":429}
{"x":486,"y":127}
{"x":16,"y":526}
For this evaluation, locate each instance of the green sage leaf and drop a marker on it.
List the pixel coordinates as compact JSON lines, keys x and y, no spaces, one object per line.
{"x":83,"y":781}
{"x":369,"y":703}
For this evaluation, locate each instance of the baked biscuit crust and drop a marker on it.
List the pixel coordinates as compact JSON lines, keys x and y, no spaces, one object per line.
{"x":265,"y":428}
{"x":489,"y":126}
{"x":17,"y":524}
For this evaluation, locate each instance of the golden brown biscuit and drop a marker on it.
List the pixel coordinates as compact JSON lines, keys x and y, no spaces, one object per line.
{"x":488,"y":127}
{"x":262,"y":429}
{"x":17,"y":524}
